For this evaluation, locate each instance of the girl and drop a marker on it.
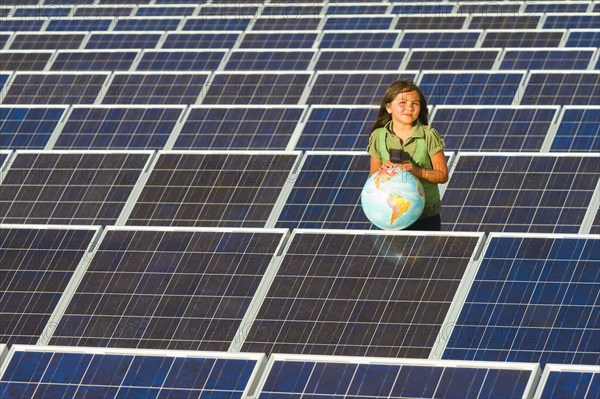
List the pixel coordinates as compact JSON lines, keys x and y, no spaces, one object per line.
{"x":401,"y":137}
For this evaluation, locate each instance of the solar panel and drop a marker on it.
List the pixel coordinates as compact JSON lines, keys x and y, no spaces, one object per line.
{"x":569,"y":382}
{"x":118,"y":127}
{"x":155,"y":88}
{"x":67,"y":2}
{"x":69,"y":187}
{"x":324,"y":300}
{"x":4,"y":37}
{"x":151,"y":24}
{"x":521,"y":192}
{"x":578,"y":130}
{"x":361,"y":22}
{"x":19,"y":2}
{"x":194,"y":189}
{"x":78,"y":24}
{"x":522,"y":38}
{"x":354,"y":87}
{"x":191,"y":40}
{"x":97,"y":11}
{"x":583,"y":38}
{"x":488,"y":8}
{"x":595,"y":227}
{"x":572,"y":21}
{"x":28,"y":127}
{"x":440,"y":39}
{"x":272,"y":60}
{"x":4,"y":154}
{"x":47,"y":41}
{"x":37,"y":264}
{"x":63,"y":372}
{"x":471,"y":87}
{"x":120,"y":40}
{"x":518,"y":21}
{"x":239,"y":10}
{"x":155,"y":11}
{"x":24,"y":60}
{"x":279,"y":40}
{"x":249,"y":127}
{"x":168,"y":288}
{"x":429,"y":22}
{"x":291,"y":10}
{"x":339,"y":127}
{"x":98,"y":60}
{"x":294,"y":376}
{"x":41,"y":12}
{"x":4,"y":77}
{"x":15,"y":25}
{"x":216,"y":24}
{"x":288,"y":24}
{"x":351,"y":9}
{"x":534,"y":299}
{"x":494,"y":128}
{"x":359,"y":39}
{"x":558,"y":6}
{"x":360,"y":60}
{"x":562,"y":88}
{"x":452,"y":59}
{"x":188,"y":60}
{"x":54,"y":88}
{"x":422,"y":9}
{"x":547,"y":59}
{"x":257,"y":88}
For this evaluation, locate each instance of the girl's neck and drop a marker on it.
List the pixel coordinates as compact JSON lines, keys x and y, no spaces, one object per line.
{"x":401,"y":130}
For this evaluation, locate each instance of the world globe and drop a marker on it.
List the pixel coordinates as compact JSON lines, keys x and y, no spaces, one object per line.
{"x":392,"y":199}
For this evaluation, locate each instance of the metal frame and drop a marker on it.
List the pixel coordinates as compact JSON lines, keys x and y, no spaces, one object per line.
{"x":558,"y":368}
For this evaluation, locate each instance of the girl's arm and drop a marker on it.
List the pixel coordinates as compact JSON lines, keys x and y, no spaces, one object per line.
{"x":439,"y":173}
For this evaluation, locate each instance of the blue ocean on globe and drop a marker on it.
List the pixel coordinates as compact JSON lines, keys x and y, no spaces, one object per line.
{"x":392,"y":199}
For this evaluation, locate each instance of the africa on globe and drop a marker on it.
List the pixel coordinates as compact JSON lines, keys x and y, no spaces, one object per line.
{"x":392,"y":199}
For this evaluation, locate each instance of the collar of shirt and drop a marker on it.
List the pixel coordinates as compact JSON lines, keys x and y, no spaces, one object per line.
{"x":417,"y":131}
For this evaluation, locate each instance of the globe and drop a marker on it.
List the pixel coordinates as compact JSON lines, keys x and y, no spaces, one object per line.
{"x":392,"y":199}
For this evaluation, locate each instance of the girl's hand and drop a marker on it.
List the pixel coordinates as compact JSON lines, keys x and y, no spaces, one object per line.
{"x":409,"y":167}
{"x":388,"y":165}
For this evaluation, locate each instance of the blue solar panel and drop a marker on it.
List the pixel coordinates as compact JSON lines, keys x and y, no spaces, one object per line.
{"x":354,"y":23}
{"x":216,"y":24}
{"x":431,"y":22}
{"x":569,"y":382}
{"x":111,"y":40}
{"x":583,"y":38}
{"x":41,"y":12}
{"x":342,"y":128}
{"x":494,"y":128}
{"x":350,"y":9}
{"x":572,"y":21}
{"x":198,"y":40}
{"x":61,"y":372}
{"x":79,"y":24}
{"x":522,"y":38}
{"x":272,"y":60}
{"x":90,"y":60}
{"x":152,"y":24}
{"x":36,"y":265}
{"x":558,"y":6}
{"x":562,"y":88}
{"x":150,"y":11}
{"x":24,"y":60}
{"x":365,"y":60}
{"x":546,"y":59}
{"x":367,"y":39}
{"x":578,"y":130}
{"x":534,"y":299}
{"x":47,"y":41}
{"x":118,"y":128}
{"x":521,"y":21}
{"x":3,"y":79}
{"x":288,"y":24}
{"x":28,"y":127}
{"x":279,"y":40}
{"x":488,"y":8}
{"x":239,"y":10}
{"x":112,"y":11}
{"x":467,"y":88}
{"x":189,"y":60}
{"x":4,"y":38}
{"x":65,"y":2}
{"x":294,"y":377}
{"x":452,"y":59}
{"x":422,"y":9}
{"x":441,"y":39}
{"x":291,"y":10}
{"x":16,"y":25}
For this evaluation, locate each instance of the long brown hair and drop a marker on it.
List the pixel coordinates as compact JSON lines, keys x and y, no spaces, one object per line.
{"x":400,"y":86}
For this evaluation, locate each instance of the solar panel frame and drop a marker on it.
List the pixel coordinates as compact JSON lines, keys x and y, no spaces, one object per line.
{"x":154,"y":10}
{"x":362,"y":22}
{"x":518,"y":58}
{"x":134,"y":40}
{"x":360,"y":8}
{"x":444,"y":36}
{"x":41,"y":12}
{"x":21,"y":41}
{"x":577,"y":126}
{"x":292,"y":10}
{"x":560,"y":92}
{"x":298,"y":59}
{"x":279,"y":39}
{"x":180,"y":384}
{"x":276,"y":358}
{"x":572,"y":391}
{"x":556,"y":6}
{"x":5,"y":38}
{"x":37,"y":126}
{"x":287,"y":24}
{"x":359,"y":59}
{"x":147,"y":24}
{"x":215,"y":24}
{"x":434,"y":22}
{"x":424,"y":8}
{"x":381,"y":38}
{"x":514,"y":21}
{"x":21,"y":25}
{"x":541,"y":38}
{"x":578,"y":38}
{"x":573,"y":20}
{"x":474,"y":59}
{"x":239,"y":10}
{"x":172,"y":38}
{"x":98,"y":10}
{"x":25,"y":60}
{"x":79,"y":24}
{"x":99,"y":60}
{"x":191,"y":60}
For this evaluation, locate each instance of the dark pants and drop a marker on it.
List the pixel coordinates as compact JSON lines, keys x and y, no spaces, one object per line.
{"x":433,"y":223}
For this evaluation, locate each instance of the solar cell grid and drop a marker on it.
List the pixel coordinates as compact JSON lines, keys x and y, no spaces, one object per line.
{"x":287,"y":24}
{"x":457,"y":59}
{"x":272,"y":60}
{"x":522,"y":21}
{"x":429,"y":22}
{"x":279,"y":40}
{"x":98,"y":60}
{"x":491,"y":9}
{"x":521,"y":192}
{"x":557,"y":6}
{"x":66,"y":2}
{"x":358,"y":23}
{"x":19,"y":2}
{"x":112,"y":11}
{"x":547,"y":59}
{"x":154,"y":11}
{"x":323,"y":300}
{"x":152,"y":24}
{"x":216,"y":24}
{"x":535,"y":299}
{"x":4,"y":37}
{"x":209,"y":40}
{"x":78,"y":24}
{"x":118,"y":127}
{"x":523,"y":38}
{"x":24,"y":60}
{"x":155,"y":88}
{"x":47,"y":41}
{"x":360,"y":59}
{"x":572,"y":21}
{"x":69,"y":187}
{"x":239,"y":10}
{"x":364,"y":39}
{"x":292,"y":10}
{"x":37,"y":264}
{"x":578,"y":130}
{"x":194,"y":189}
{"x":16,"y":25}
{"x":351,"y":9}
{"x":422,"y":9}
{"x":168,"y":288}
{"x":54,"y":88}
{"x":494,"y":128}
{"x":595,"y":228}
{"x":562,"y":88}
{"x":188,"y":60}
{"x":440,"y":39}
{"x":250,"y":127}
{"x":28,"y":127}
{"x":119,"y":40}
{"x":569,"y":382}
{"x":41,"y":12}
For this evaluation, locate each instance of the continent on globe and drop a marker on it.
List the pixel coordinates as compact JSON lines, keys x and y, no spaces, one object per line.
{"x":399,"y":206}
{"x":384,"y":176}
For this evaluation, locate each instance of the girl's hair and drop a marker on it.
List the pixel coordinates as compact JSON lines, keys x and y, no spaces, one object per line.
{"x":400,"y":86}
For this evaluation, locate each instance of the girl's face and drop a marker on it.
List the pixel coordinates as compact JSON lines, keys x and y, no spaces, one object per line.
{"x":405,"y":108}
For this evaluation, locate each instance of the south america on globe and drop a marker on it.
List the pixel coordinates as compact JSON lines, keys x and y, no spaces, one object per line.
{"x":392,"y":199}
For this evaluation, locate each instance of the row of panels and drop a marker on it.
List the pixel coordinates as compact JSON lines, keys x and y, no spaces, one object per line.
{"x":442,"y":20}
{"x":299,"y":88}
{"x":47,"y":371}
{"x":459,"y":296}
{"x":305,"y":128}
{"x":302,"y":60}
{"x":373,"y":39}
{"x":518,"y":192}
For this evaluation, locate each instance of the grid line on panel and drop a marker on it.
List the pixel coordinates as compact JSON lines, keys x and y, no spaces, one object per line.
{"x":187,"y":60}
{"x":123,"y":40}
{"x":78,"y":24}
{"x":562,"y":381}
{"x":546,"y":59}
{"x":360,"y":60}
{"x":145,"y":289}
{"x":28,"y":127}
{"x":443,"y":39}
{"x":562,"y":88}
{"x":538,"y":296}
{"x":47,"y":41}
{"x":359,"y":39}
{"x":523,"y":38}
{"x":578,"y":130}
{"x":452,"y":59}
{"x":272,"y":60}
{"x":286,"y":24}
{"x":455,"y":22}
{"x":279,"y":40}
{"x":519,"y":193}
{"x":24,"y":60}
{"x":200,"y":40}
{"x":324,"y":300}
{"x":94,"y":60}
{"x":68,"y":188}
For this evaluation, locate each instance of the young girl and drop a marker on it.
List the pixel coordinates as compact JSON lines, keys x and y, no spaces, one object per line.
{"x":401,"y":137}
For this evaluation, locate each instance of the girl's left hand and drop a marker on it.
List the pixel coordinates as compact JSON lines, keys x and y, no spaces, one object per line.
{"x":409,"y":167}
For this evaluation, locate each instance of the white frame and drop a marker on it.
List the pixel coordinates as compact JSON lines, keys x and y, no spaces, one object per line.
{"x":557,"y":368}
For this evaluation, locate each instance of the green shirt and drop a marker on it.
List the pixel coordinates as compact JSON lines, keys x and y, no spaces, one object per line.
{"x":433,"y":143}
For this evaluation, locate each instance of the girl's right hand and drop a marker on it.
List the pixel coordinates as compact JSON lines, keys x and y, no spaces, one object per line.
{"x":387,"y":165}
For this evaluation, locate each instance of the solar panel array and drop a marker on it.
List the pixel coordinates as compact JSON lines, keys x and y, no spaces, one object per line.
{"x":179,"y":175}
